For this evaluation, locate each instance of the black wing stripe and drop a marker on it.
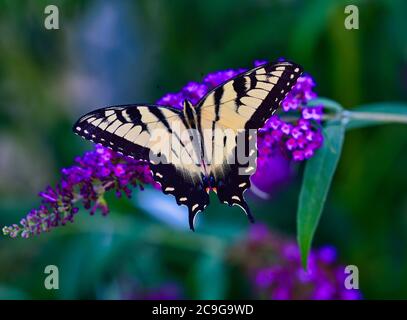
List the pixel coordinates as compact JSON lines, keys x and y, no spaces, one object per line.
{"x":160,"y":116}
{"x":217,"y":99}
{"x":117,"y":144}
{"x":135,"y":117}
{"x":239,"y":85}
{"x":253,"y":81}
{"x":218,"y":94}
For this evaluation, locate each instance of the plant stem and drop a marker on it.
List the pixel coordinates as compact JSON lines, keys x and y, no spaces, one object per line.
{"x":374,"y":116}
{"x":347,"y":115}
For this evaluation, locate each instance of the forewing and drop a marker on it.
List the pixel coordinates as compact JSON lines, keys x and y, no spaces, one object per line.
{"x":155,"y":134}
{"x":248,"y":100}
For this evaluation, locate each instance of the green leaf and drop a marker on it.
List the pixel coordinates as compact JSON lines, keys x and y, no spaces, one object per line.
{"x":376,"y":114}
{"x":318,"y":174}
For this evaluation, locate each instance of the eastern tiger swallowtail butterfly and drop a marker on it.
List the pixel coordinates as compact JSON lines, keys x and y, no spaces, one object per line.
{"x":199,"y":148}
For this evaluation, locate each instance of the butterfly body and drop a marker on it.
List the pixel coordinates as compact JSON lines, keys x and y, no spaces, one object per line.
{"x":202,"y":148}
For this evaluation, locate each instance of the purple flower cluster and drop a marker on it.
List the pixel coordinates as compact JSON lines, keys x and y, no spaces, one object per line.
{"x":100,"y":170}
{"x":94,"y":173}
{"x":298,"y":139}
{"x":274,"y":267}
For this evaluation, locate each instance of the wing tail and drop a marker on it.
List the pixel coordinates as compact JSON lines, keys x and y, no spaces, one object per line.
{"x":187,"y":190}
{"x":235,"y":180}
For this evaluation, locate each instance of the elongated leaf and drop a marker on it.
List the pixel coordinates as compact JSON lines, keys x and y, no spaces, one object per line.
{"x":318,"y":174}
{"x":377,"y":113}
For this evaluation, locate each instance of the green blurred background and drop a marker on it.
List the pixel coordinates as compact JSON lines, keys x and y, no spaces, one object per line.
{"x":116,"y":52}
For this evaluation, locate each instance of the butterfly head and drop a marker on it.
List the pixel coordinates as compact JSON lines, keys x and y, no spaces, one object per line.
{"x":209,"y":184}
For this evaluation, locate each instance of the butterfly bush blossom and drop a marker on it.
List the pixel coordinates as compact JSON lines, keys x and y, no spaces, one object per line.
{"x":273,"y":265}
{"x":93,"y":174}
{"x":101,"y":169}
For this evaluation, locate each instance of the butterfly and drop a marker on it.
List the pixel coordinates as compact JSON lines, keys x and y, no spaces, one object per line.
{"x":203,"y":147}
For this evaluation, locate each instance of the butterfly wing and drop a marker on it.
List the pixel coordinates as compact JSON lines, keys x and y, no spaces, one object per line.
{"x":186,"y":191}
{"x":249,"y":99}
{"x":234,"y":177}
{"x":155,"y":134}
{"x":241,"y":106}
